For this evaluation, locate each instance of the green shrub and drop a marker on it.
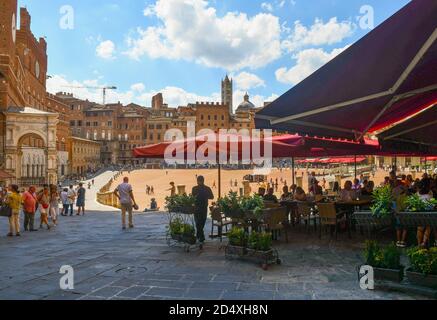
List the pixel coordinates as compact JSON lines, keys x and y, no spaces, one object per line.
{"x":414,"y":203}
{"x":178,"y":227}
{"x":237,"y":237}
{"x":254,"y":203}
{"x":230,"y":204}
{"x":253,"y":241}
{"x":382,"y":201}
{"x":264,"y":241}
{"x":423,"y":260}
{"x":386,"y":258}
{"x":177,"y":203}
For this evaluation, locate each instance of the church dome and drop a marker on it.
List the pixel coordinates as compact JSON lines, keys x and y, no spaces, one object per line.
{"x":246,"y":105}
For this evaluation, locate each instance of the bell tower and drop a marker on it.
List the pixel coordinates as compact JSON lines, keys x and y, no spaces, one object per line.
{"x":227,"y":93}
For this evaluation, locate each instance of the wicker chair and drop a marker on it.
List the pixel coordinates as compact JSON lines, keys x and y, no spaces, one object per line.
{"x":305,"y":213}
{"x":219,"y":221}
{"x":275,"y":220}
{"x":328,"y":217}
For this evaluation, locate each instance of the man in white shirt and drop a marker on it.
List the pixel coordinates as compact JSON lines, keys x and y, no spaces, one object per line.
{"x":127,"y":201}
{"x":71,"y":195}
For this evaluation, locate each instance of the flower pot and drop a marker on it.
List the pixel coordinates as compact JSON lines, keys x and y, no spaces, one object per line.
{"x":236,"y":213}
{"x":189,"y":239}
{"x":369,"y":220}
{"x":185,"y":238}
{"x":423,"y":280}
{"x":395,"y":275}
{"x":263,"y":255}
{"x":236,"y":250}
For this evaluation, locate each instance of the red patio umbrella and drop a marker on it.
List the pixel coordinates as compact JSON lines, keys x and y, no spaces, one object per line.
{"x":220,"y":148}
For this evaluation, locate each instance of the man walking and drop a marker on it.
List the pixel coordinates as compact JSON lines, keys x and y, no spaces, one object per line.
{"x":80,"y":202}
{"x":127,"y":201}
{"x":202,"y":194}
{"x":29,"y":209}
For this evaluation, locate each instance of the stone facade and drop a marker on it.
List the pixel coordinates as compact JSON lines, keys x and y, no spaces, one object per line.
{"x":28,"y":128}
{"x":84,"y":156}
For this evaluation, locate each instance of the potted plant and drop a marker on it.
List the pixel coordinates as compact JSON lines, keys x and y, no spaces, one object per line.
{"x":181,"y":231}
{"x":423,"y":270}
{"x":386,"y":262}
{"x":230,"y":205}
{"x":253,"y":204}
{"x":382,"y":202}
{"x":237,"y":241}
{"x":180,"y":203}
{"x":414,"y":203}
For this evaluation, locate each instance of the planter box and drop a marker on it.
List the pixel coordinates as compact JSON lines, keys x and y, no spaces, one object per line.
{"x":235,"y":214}
{"x":420,"y":279}
{"x":417,"y":219}
{"x":388,"y":274}
{"x":189,"y":239}
{"x":368,"y":220}
{"x":236,"y":250}
{"x":262,"y":255}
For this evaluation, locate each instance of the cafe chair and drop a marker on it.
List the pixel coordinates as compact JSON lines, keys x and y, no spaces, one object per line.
{"x":275,"y":220}
{"x":329,"y":217}
{"x":305,"y":213}
{"x":220,"y":222}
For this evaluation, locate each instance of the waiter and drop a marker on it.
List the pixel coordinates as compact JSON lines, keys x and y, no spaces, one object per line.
{"x":202,"y":195}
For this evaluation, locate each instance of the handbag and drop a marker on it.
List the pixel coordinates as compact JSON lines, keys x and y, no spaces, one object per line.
{"x":5,"y":211}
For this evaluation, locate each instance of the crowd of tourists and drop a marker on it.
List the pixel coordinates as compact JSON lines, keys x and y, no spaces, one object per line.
{"x":46,"y":203}
{"x":362,"y":188}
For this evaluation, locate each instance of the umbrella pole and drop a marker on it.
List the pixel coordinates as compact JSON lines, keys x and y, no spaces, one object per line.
{"x":355,"y":164}
{"x":219,"y":180}
{"x":426,"y":165}
{"x":293,"y":177}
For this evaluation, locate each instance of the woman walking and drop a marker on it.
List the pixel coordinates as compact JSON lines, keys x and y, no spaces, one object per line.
{"x":54,"y":204}
{"x":14,"y":200}
{"x":44,"y":206}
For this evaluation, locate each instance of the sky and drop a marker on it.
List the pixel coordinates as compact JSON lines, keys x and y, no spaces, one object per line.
{"x":183,"y":48}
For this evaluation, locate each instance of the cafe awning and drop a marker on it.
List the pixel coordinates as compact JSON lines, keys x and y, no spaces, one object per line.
{"x":342,"y":160}
{"x":388,"y":75}
{"x":415,"y":133}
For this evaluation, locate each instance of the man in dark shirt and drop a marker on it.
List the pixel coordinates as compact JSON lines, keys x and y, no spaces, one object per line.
{"x":202,"y":194}
{"x":270,"y":196}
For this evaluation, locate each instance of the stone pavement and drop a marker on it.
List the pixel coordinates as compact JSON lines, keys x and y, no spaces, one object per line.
{"x":137,"y":264}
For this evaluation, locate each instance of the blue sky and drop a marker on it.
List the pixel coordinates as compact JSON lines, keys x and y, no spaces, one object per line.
{"x":184,"y":47}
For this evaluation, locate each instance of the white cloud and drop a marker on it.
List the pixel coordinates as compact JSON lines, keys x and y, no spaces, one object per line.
{"x":138,"y":87}
{"x":191,"y":30}
{"x":267,"y":6}
{"x":174,"y":96}
{"x":149,"y":10}
{"x":307,"y":61}
{"x":246,"y":81}
{"x":105,"y":50}
{"x":318,"y":34}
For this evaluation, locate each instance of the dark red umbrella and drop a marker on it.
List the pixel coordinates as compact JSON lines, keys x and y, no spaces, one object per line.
{"x":221,"y":148}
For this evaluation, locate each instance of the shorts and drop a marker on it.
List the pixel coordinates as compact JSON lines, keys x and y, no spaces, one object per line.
{"x":126,"y":206}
